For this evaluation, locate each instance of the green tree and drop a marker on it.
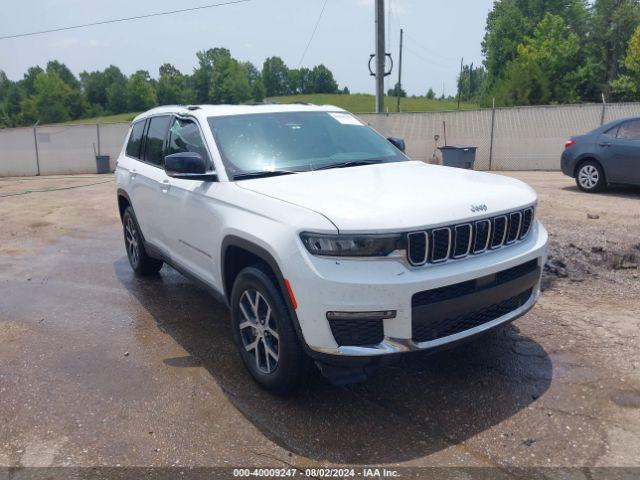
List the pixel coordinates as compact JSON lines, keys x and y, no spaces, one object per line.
{"x":255,"y":81}
{"x":95,"y":85}
{"x":471,"y":82}
{"x":627,"y":86}
{"x":322,"y":81}
{"x":48,"y":104}
{"x":229,"y":82}
{"x":140,"y":93}
{"x":393,"y":92}
{"x":64,"y":73}
{"x":173,"y":87}
{"x":511,"y":21}
{"x":523,"y":83}
{"x":27,"y":84}
{"x":431,"y":95}
{"x":275,"y":77}
{"x":208,"y":60}
{"x":555,"y":49}
{"x":612,"y":25}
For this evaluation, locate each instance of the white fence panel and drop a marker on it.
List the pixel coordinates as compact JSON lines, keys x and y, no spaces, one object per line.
{"x":524,"y":138}
{"x":17,"y":153}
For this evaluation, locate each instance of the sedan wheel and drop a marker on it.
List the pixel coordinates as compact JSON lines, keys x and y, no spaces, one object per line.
{"x":590,"y":177}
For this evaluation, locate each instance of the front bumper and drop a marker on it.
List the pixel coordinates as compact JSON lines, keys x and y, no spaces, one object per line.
{"x":381,"y":285}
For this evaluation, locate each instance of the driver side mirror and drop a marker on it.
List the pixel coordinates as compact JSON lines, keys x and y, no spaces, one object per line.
{"x":398,"y":143}
{"x":188,"y":166}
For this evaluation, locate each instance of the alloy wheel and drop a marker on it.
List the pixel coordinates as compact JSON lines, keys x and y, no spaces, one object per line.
{"x":259,"y":331}
{"x":588,"y":177}
{"x":131,"y":241}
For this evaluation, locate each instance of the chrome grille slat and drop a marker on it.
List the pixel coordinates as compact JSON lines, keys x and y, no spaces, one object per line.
{"x":418,"y":248}
{"x":456,"y":242}
{"x":499,"y":223}
{"x":460,"y":248}
{"x":481,"y":240}
{"x":439,"y":243}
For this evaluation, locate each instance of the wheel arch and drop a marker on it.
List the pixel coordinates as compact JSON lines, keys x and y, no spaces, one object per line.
{"x":123,"y":202}
{"x":238,"y":253}
{"x":589,"y":158}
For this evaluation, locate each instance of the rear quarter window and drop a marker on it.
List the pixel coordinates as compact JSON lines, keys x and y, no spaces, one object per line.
{"x":135,"y":140}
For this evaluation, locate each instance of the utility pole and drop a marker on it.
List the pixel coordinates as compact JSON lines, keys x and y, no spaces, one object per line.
{"x":380,"y":56}
{"x":399,"y":86}
{"x":460,"y":81}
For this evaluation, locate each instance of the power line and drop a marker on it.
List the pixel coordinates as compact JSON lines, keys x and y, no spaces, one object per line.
{"x":117,"y":20}
{"x":430,"y":51}
{"x":313,"y":34}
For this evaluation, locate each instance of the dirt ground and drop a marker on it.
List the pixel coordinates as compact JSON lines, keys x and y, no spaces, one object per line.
{"x":100,"y":368}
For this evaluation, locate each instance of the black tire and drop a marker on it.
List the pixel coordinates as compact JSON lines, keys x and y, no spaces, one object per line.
{"x":141,"y":263}
{"x":590,"y":177}
{"x":284,"y":373}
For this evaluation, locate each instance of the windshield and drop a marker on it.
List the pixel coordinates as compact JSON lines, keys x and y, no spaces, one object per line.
{"x":297,"y":142}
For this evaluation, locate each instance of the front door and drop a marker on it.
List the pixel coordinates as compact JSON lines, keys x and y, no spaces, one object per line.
{"x":192,"y":227}
{"x":623,"y":156}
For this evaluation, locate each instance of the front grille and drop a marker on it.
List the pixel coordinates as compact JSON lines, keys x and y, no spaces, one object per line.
{"x":459,"y":241}
{"x":357,"y":333}
{"x":450,"y":326}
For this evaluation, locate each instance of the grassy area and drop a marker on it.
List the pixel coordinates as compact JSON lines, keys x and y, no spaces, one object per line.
{"x":364,"y":103}
{"x":358,"y":103}
{"x":121,"y":117}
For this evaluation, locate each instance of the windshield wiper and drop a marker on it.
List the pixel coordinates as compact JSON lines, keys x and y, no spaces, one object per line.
{"x":262,"y":174}
{"x":353,"y":163}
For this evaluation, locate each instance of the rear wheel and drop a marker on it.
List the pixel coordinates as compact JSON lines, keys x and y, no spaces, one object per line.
{"x":590,"y":177}
{"x":264,"y":332}
{"x":140,"y":261}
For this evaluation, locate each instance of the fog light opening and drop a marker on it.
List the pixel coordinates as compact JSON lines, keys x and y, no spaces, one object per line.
{"x":381,"y":315}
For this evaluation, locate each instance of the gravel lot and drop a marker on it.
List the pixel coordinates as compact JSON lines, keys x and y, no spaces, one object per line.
{"x":98,"y":367}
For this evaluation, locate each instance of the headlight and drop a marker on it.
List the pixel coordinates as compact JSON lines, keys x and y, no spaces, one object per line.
{"x":352,"y":245}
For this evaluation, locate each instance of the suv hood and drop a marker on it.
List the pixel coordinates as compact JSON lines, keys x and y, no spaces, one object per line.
{"x":396,"y":196}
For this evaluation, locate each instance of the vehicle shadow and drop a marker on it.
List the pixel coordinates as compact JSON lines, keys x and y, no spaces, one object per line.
{"x":419,"y":407}
{"x":614,"y":191}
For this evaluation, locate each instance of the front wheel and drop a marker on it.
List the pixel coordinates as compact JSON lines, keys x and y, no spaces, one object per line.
{"x":264,"y":332}
{"x":590,"y":177}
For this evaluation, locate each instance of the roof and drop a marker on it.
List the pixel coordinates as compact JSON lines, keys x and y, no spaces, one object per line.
{"x":224,"y":110}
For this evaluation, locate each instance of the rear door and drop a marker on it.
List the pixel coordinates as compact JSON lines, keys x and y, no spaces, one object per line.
{"x":192,"y":229}
{"x":623,"y":159}
{"x":147,"y":178}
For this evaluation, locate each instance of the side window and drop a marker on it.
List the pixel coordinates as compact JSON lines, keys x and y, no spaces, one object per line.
{"x":630,"y":130}
{"x":185,"y":136}
{"x":612,"y":132}
{"x":156,"y":134}
{"x":135,"y":140}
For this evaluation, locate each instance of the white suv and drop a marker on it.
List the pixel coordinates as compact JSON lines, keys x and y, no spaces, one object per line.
{"x":322,"y":237}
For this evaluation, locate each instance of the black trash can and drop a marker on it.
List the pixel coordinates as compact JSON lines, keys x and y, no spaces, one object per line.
{"x":102,"y":164}
{"x":460,"y":156}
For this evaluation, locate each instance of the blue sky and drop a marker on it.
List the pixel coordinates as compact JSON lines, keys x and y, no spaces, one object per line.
{"x":437,"y":34}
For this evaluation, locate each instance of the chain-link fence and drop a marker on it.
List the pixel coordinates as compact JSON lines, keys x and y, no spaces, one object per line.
{"x":521,"y":138}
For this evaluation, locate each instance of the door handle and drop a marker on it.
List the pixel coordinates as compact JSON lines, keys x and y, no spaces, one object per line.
{"x":165,"y":186}
{"x":605,"y":144}
{"x":132,"y":174}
